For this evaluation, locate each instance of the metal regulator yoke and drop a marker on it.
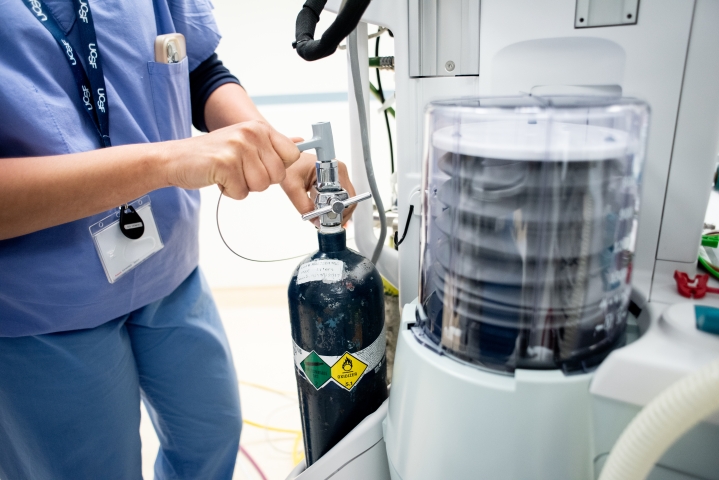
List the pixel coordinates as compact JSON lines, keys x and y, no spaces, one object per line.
{"x":331,"y":198}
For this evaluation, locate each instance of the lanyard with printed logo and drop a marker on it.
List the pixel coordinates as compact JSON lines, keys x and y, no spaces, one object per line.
{"x":91,"y":87}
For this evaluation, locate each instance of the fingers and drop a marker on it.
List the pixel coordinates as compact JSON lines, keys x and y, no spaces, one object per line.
{"x":274,"y":153}
{"x":285,"y":148}
{"x":256,"y":174}
{"x":241,"y":158}
{"x":294,"y":187}
{"x":300,"y":180}
{"x":269,"y":158}
{"x":261,"y":163}
{"x":233,"y":184}
{"x":259,"y":156}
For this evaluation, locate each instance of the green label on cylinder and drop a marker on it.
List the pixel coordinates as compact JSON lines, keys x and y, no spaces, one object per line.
{"x":316,"y":370}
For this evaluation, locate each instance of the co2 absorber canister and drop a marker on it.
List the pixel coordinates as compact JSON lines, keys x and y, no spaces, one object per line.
{"x":528,"y":228}
{"x":336,"y":300}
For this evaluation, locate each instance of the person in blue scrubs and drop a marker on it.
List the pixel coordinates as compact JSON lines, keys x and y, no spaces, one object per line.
{"x":78,"y":353}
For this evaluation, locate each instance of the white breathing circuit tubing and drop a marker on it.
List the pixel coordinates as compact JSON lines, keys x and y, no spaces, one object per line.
{"x":661,"y":423}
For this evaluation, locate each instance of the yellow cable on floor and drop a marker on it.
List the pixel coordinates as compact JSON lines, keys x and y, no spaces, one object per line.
{"x":296,"y":456}
{"x":267,"y":389}
{"x":272,"y":429}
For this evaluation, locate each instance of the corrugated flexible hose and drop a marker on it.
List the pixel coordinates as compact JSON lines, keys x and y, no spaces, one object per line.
{"x":661,"y":423}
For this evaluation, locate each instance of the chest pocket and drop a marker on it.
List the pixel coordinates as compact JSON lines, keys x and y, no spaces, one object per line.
{"x":170,"y":85}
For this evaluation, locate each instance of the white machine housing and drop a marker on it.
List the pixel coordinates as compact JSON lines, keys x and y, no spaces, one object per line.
{"x":665,"y":52}
{"x":667,"y":58}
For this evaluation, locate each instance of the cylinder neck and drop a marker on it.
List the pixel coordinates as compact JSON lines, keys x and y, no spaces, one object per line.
{"x":332,"y":242}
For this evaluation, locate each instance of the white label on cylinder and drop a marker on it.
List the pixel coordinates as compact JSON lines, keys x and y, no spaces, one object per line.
{"x":327,"y":271}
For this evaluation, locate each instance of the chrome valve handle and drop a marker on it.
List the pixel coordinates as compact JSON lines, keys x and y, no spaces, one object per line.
{"x":331,"y":198}
{"x":336,"y":206}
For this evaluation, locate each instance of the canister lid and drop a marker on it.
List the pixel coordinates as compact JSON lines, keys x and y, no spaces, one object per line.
{"x":530,"y":140}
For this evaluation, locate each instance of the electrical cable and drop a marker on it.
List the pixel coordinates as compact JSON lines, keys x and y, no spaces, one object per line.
{"x":296,"y":456}
{"x":217,"y":221}
{"x":268,"y":389}
{"x":272,"y":429}
{"x":362,"y":113}
{"x":398,"y":241}
{"x":373,"y":90}
{"x":269,"y":420}
{"x":252,"y":461}
{"x":382,"y":99}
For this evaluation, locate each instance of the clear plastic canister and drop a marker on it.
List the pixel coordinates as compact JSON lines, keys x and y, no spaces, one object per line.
{"x":529,"y":224}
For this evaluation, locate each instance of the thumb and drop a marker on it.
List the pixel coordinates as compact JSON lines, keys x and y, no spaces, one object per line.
{"x":285,"y":148}
{"x":295,"y":190}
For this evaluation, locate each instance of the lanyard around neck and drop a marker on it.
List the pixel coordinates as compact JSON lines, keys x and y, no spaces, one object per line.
{"x":90,"y":85}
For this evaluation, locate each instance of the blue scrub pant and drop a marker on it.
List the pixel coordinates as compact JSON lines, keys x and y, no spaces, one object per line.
{"x":70,"y":401}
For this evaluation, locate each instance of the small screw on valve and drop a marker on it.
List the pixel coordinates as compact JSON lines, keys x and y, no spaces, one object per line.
{"x":338,"y":206}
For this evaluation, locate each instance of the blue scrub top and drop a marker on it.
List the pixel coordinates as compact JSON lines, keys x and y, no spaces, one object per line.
{"x":52,"y":280}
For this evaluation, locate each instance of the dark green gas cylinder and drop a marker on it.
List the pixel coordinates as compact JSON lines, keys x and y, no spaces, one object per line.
{"x":336,"y":302}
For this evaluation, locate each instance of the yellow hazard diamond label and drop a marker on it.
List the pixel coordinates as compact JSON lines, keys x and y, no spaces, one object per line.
{"x":348,"y":370}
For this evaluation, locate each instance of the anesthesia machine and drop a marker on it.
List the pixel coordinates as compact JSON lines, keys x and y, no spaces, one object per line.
{"x":553,"y":162}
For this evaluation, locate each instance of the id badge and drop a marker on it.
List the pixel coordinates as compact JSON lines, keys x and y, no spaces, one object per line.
{"x":119,"y":254}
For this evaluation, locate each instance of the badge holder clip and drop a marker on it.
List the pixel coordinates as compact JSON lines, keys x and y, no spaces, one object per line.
{"x":126,"y":238}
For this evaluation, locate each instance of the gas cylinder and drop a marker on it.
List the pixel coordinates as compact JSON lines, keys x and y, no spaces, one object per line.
{"x":336,"y":301}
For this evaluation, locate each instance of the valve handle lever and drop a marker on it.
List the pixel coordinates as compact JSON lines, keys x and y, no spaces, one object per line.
{"x":321,"y":141}
{"x":337,"y":206}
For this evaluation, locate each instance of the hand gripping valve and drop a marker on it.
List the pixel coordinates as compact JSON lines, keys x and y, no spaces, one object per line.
{"x":331,"y":198}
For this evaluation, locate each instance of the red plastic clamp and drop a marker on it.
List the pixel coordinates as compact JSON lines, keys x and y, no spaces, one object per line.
{"x":695,"y":287}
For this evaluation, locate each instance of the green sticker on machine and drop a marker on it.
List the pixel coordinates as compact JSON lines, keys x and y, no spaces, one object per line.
{"x":316,"y":370}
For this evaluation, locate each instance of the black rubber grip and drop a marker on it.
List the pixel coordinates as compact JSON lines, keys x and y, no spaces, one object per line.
{"x":306,"y":45}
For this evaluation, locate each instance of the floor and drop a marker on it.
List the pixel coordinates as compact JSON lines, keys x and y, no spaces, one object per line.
{"x":257,"y":325}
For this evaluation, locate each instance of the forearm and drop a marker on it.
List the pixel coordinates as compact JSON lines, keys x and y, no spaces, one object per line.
{"x":229,"y":104}
{"x":41,"y":192}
